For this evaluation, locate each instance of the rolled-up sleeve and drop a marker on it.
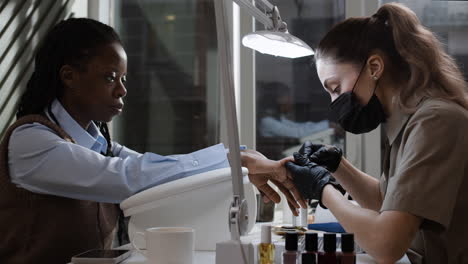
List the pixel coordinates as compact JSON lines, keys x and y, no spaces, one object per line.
{"x":42,"y":162}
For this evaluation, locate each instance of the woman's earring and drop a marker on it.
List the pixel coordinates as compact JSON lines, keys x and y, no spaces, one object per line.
{"x":375,"y":78}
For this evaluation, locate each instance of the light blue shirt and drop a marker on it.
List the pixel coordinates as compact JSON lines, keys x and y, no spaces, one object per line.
{"x":42,"y":162}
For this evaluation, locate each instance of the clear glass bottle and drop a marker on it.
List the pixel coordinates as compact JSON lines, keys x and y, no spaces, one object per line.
{"x":266,"y":249}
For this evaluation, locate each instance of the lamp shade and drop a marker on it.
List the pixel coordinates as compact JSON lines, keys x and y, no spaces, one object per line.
{"x":277,"y":43}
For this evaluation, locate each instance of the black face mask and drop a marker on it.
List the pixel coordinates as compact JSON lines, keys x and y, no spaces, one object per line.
{"x":354,"y":117}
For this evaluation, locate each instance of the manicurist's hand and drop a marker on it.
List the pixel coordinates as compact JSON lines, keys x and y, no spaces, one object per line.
{"x":324,"y":155}
{"x":263,"y":170}
{"x":309,"y":177}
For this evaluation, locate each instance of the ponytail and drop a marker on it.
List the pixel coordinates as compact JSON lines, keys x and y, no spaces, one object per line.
{"x":432,"y":72}
{"x":416,"y":55}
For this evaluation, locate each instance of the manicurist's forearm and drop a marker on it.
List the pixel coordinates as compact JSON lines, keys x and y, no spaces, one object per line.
{"x":369,"y":227}
{"x":362,"y":187}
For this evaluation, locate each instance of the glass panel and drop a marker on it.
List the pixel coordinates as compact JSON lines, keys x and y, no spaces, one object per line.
{"x":172,"y":105}
{"x":292,"y":105}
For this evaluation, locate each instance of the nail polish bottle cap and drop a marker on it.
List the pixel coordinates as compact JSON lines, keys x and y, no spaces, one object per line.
{"x":309,"y":259}
{"x":291,"y":241}
{"x":266,"y":234}
{"x":329,"y":242}
{"x":311,"y":241}
{"x":347,"y":242}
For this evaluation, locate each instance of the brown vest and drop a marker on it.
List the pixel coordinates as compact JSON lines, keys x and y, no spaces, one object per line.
{"x":37,"y":228}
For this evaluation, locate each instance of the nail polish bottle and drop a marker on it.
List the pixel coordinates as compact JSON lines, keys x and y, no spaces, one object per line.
{"x":290,"y":254}
{"x":266,"y":250}
{"x":328,"y":255}
{"x":309,"y":256}
{"x":348,"y":256}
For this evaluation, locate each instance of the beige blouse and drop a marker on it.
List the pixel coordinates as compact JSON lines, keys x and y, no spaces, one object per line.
{"x":426,"y":174}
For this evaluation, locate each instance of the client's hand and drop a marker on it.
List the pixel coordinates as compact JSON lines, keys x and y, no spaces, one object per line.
{"x":263,"y":170}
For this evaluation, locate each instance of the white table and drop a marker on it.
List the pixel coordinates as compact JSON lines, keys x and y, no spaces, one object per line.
{"x":208,"y":257}
{"x":201,"y":257}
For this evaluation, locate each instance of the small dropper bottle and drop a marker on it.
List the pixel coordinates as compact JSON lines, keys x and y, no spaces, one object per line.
{"x":309,"y":256}
{"x":266,"y":250}
{"x":328,"y":256}
{"x":290,"y":255}
{"x":348,"y":256}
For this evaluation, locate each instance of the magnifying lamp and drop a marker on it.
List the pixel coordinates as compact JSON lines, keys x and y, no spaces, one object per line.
{"x":277,"y":44}
{"x":275,"y":40}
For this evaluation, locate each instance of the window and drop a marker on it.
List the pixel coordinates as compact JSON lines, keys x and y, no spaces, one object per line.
{"x":449,"y":21}
{"x":291,"y":104}
{"x":172,"y":105}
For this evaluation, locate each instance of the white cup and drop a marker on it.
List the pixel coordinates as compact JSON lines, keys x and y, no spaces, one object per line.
{"x":168,"y":245}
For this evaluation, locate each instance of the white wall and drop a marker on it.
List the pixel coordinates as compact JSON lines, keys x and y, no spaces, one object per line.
{"x":80,"y":8}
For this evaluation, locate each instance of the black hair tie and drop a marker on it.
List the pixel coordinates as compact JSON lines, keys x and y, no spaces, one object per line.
{"x":380,"y":18}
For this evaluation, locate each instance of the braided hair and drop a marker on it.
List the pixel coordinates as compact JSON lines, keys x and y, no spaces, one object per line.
{"x":71,"y":42}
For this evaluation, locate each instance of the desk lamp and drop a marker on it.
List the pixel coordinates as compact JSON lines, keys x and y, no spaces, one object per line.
{"x":275,"y":40}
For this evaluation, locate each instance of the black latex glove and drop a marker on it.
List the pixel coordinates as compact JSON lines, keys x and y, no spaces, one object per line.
{"x":310,"y":178}
{"x":324,"y":155}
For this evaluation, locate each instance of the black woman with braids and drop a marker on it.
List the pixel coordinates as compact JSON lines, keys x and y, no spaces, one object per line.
{"x":61,"y":176}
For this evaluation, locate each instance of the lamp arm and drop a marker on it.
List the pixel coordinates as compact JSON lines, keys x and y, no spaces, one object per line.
{"x":267,"y":5}
{"x":259,"y":15}
{"x":238,"y":218}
